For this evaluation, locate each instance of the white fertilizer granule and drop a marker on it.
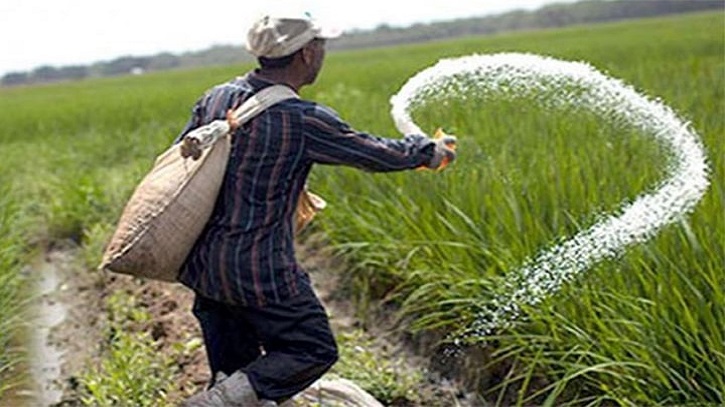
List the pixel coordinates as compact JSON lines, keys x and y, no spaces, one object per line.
{"x":556,"y":84}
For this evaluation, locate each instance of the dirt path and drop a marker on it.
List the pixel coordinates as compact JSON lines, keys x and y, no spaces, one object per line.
{"x":79,"y":337}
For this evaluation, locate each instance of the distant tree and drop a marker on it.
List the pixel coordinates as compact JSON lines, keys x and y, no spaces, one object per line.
{"x":15,"y":78}
{"x":216,"y":55}
{"x":73,"y":72}
{"x":124,"y":65}
{"x":46,"y":73}
{"x":556,"y":16}
{"x":163,"y":61}
{"x":384,"y":27}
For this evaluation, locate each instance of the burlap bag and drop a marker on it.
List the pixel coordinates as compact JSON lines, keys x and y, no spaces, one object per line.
{"x":307,"y":207}
{"x":172,"y":204}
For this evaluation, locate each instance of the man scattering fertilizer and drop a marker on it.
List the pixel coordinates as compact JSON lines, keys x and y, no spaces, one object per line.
{"x":266,"y":334}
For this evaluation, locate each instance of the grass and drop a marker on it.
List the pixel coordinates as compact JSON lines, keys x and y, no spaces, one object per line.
{"x":132,"y":374}
{"x":641,"y":329}
{"x":380,"y":373}
{"x":11,"y":298}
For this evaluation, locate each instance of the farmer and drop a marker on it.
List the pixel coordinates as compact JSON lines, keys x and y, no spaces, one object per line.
{"x":266,"y":334}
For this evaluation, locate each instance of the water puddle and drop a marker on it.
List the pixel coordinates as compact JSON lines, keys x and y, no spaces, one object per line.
{"x":44,"y":357}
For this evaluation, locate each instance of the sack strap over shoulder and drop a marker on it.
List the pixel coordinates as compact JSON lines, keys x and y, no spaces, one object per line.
{"x":204,"y":137}
{"x":260,"y":101}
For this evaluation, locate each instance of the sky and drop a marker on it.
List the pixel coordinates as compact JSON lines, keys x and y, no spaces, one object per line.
{"x":79,"y":32}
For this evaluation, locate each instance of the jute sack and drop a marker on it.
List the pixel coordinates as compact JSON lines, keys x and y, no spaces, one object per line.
{"x":170,"y":207}
{"x":307,"y":207}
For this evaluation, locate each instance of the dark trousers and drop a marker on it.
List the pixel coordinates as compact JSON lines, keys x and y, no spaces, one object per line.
{"x":283,"y":348}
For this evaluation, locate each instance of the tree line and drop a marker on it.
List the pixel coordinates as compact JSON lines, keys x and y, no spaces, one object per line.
{"x":555,"y":15}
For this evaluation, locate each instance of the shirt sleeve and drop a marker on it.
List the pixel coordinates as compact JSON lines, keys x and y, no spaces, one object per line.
{"x":330,"y":140}
{"x":211,"y":106}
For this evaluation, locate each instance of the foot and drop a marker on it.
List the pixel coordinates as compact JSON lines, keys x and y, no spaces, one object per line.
{"x":232,"y":391}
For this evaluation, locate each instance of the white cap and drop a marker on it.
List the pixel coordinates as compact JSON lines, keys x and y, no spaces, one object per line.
{"x":276,"y":37}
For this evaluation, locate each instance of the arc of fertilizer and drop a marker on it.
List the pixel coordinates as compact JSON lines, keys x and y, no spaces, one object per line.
{"x":555,"y":83}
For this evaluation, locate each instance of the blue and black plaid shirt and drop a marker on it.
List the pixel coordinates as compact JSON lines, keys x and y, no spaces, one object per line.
{"x":245,"y":255}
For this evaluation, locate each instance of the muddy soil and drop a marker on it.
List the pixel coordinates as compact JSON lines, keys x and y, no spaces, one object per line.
{"x":79,"y":337}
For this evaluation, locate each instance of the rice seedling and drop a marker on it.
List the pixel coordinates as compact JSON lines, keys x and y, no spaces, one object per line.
{"x":11,"y":296}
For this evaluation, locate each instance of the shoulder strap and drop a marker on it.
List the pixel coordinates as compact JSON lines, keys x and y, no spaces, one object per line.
{"x":261,"y":100}
{"x":202,"y":137}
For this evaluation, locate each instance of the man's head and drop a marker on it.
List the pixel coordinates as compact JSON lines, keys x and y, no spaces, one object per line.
{"x":283,"y":42}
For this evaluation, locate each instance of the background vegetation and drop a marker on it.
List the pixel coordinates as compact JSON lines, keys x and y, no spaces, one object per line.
{"x":551,"y":16}
{"x":644,"y":329}
{"x":11,"y":297}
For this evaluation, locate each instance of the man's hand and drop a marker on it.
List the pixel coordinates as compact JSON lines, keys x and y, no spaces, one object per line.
{"x":444,"y":152}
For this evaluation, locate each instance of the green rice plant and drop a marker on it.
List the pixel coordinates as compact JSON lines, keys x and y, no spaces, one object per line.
{"x":438,"y":244}
{"x":72,"y":205}
{"x":612,"y":345}
{"x":131,"y":373}
{"x":11,"y":295}
{"x":95,"y":239}
{"x":518,"y":213}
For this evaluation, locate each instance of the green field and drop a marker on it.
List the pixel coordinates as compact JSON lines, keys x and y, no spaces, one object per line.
{"x":645,"y":328}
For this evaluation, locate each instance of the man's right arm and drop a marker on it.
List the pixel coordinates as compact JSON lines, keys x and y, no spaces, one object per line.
{"x":329,"y":140}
